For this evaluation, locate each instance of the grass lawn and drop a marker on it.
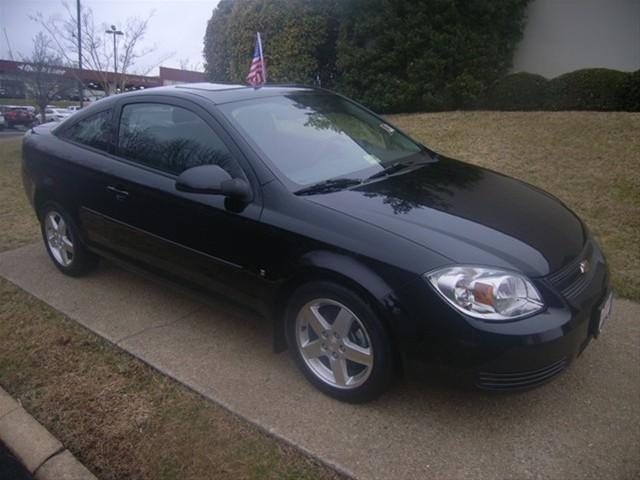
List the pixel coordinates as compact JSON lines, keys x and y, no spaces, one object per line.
{"x":124,"y":420}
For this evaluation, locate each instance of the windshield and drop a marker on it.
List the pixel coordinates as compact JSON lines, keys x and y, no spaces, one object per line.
{"x":311,"y":138}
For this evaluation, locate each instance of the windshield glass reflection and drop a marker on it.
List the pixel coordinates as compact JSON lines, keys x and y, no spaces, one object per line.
{"x":311,"y":138}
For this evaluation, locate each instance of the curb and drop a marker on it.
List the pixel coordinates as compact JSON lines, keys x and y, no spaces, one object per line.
{"x":41,"y":453}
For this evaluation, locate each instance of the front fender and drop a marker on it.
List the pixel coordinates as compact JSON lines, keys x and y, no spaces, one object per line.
{"x":348,"y":267}
{"x":376,"y":286}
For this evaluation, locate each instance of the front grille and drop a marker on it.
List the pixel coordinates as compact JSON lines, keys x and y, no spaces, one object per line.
{"x":520,"y":380}
{"x":569,"y":280}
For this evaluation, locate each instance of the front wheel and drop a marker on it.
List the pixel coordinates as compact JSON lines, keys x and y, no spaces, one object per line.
{"x":62,"y":240}
{"x":339,"y":342}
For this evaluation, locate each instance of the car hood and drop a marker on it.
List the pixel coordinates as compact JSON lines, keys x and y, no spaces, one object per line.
{"x":470,"y":215}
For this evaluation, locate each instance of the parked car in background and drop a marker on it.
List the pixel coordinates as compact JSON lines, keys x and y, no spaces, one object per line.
{"x":3,"y":122}
{"x":19,"y":116}
{"x":56,"y":114}
{"x":74,"y":108}
{"x":366,"y":249}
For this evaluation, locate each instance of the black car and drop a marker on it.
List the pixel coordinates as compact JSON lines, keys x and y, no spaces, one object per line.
{"x":367,"y":249}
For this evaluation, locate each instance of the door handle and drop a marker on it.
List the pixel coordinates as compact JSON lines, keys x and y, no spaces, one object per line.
{"x":120,"y":194}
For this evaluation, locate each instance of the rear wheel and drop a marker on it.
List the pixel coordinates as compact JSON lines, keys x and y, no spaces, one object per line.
{"x":62,"y":240}
{"x":338,"y":342}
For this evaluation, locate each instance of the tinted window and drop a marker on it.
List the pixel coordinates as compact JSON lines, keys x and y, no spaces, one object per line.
{"x":94,"y":131}
{"x":311,"y":138}
{"x":171,"y":139}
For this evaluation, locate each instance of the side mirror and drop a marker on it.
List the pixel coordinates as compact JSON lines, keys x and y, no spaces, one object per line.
{"x":213,"y":180}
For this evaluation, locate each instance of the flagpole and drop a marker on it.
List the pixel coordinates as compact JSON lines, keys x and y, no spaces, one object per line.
{"x":264,"y":70}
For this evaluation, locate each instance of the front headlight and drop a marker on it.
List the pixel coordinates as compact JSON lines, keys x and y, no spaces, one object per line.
{"x":487,"y":293}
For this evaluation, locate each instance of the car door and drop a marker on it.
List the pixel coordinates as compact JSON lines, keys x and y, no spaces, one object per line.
{"x":205,"y":239}
{"x":88,"y":167}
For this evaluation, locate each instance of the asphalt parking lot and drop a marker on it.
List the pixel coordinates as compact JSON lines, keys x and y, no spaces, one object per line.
{"x":584,"y":425}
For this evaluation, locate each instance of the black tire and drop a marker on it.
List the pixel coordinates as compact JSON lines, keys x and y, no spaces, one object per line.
{"x":82,"y":261}
{"x":380,"y":375}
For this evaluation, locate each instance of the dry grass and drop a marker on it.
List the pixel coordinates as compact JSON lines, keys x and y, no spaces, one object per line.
{"x":590,"y":160}
{"x":16,"y":215}
{"x":121,"y":418}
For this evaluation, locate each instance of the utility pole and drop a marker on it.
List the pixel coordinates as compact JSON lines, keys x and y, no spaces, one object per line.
{"x":80,"y":85}
{"x":8,"y":43}
{"x":114,"y":31}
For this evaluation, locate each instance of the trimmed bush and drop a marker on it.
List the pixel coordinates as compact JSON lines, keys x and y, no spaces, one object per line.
{"x":391,"y":55}
{"x":298,"y":37}
{"x":432,"y":54}
{"x":630,"y":93}
{"x":587,"y":89}
{"x":518,"y":91}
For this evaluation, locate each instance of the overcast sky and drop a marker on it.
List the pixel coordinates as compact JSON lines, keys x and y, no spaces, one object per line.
{"x":177,"y":25}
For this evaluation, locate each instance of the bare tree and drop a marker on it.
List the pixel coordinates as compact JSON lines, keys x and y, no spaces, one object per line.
{"x":186,"y":64}
{"x":43,"y":73}
{"x":97,"y":51}
{"x":134,"y":31}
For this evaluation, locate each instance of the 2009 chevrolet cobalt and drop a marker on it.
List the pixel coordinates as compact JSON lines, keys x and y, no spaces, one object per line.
{"x":366,"y":248}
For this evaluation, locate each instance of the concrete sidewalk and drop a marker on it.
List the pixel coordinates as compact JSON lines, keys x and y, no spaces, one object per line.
{"x":586,"y":424}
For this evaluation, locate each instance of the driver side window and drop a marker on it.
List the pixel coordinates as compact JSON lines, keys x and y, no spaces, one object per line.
{"x":172,"y":139}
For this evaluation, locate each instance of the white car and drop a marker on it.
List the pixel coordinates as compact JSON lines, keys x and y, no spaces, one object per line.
{"x":74,"y":108}
{"x":56,"y":114}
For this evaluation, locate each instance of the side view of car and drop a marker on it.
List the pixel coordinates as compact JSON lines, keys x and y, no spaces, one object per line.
{"x":367,"y":250}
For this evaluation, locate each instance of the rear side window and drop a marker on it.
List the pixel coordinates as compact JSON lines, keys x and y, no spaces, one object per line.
{"x":93,"y":131}
{"x":170,"y":138}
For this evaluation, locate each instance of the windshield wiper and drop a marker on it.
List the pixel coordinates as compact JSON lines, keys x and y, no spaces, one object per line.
{"x":329,"y":186}
{"x":391,"y":169}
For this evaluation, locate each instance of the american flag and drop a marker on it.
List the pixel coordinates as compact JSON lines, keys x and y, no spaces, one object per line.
{"x":258,"y":71}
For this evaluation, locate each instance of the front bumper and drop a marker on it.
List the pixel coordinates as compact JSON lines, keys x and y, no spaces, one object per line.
{"x":513,"y":355}
{"x":539,"y":358}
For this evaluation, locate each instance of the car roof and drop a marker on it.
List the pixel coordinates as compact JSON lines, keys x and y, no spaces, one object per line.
{"x":218,"y":93}
{"x":224,"y":93}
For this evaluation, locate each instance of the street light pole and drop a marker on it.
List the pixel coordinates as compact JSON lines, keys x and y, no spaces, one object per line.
{"x":80,"y":85}
{"x":114,"y":31}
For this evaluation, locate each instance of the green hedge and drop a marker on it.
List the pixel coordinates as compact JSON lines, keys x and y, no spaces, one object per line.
{"x":518,"y":91}
{"x":394,"y":56}
{"x":587,"y":89}
{"x":629,"y":99}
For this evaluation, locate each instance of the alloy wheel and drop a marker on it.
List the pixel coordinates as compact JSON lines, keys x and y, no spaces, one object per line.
{"x":58,"y":238}
{"x":334,"y":343}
